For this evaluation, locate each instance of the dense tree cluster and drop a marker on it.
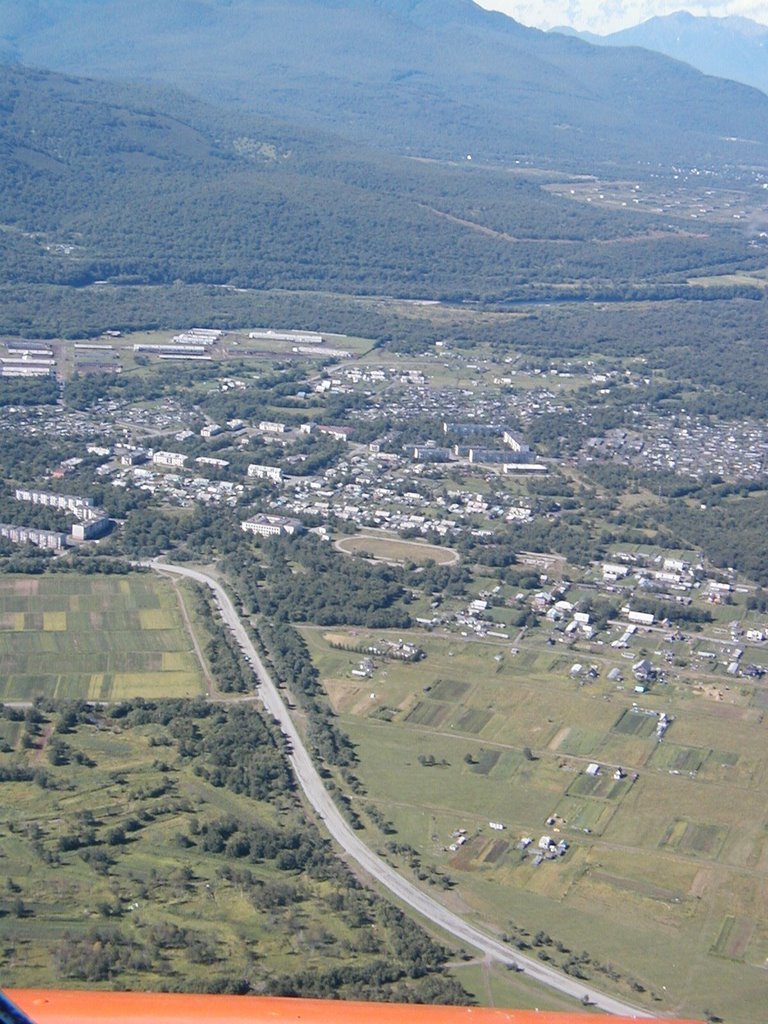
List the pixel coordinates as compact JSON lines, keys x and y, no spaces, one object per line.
{"x":235,"y":748}
{"x":103,"y":953}
{"x":199,"y":532}
{"x":27,"y":457}
{"x":292,"y":666}
{"x":329,"y":588}
{"x":29,"y":391}
{"x":304,"y":580}
{"x":731,"y":533}
{"x":295,"y":850}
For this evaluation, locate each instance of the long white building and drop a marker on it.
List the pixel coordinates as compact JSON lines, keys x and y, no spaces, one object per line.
{"x":301,"y":339}
{"x":273,"y":473}
{"x":175,"y":460}
{"x":271,"y":526}
{"x":68,"y":502}
{"x":50,"y":539}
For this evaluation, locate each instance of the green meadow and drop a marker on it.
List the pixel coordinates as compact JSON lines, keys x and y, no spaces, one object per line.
{"x":132,"y":859}
{"x":676,"y":842}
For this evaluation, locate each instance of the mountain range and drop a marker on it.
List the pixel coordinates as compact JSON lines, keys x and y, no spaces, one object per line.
{"x":432,"y":78}
{"x":731,"y":47}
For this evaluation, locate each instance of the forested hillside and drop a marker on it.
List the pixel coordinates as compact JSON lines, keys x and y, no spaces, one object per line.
{"x":135,"y":186}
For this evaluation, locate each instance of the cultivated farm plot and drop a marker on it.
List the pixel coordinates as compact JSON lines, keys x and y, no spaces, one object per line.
{"x":96,"y":638}
{"x":473,"y":720}
{"x":633,"y":722}
{"x":580,"y":742}
{"x":449,"y":689}
{"x":602,"y":786}
{"x":694,"y":839}
{"x":585,"y":815}
{"x":734,"y":938}
{"x":428,"y":713}
{"x":486,"y":761}
{"x":676,"y":758}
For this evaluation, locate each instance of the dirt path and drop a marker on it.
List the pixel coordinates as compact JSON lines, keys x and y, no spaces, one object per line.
{"x":441,"y":555}
{"x":211,"y":690}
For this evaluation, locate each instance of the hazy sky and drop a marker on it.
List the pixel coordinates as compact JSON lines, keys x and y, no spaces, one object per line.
{"x":603,"y":16}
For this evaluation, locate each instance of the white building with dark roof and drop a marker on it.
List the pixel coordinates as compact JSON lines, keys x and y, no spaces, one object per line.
{"x":272,"y":526}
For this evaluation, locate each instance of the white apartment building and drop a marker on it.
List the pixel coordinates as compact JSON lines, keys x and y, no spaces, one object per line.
{"x":273,"y":473}
{"x":173,"y":459}
{"x":271,"y":526}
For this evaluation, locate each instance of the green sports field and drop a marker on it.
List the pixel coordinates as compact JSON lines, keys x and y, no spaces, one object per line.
{"x":93,"y":637}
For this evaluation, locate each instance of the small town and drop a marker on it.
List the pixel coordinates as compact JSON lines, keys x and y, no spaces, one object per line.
{"x":384,"y":511}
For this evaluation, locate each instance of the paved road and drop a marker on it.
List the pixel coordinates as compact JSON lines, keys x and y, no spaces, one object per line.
{"x":321,"y":800}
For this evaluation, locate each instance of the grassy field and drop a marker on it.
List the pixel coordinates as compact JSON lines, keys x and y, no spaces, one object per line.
{"x":93,"y":637}
{"x":677,"y":845}
{"x":111,"y":877}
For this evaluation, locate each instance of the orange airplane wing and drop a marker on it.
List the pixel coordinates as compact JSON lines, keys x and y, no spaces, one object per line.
{"x":79,"y":1007}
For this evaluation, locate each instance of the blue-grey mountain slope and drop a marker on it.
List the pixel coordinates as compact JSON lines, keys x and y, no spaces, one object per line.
{"x":732,"y":47}
{"x":440,"y":78}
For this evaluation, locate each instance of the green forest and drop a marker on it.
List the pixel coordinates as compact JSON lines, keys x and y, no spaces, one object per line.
{"x":135,"y":187}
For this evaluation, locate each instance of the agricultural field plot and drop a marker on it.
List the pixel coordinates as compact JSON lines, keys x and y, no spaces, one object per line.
{"x":678,"y":759}
{"x":756,"y":656}
{"x":582,"y":742}
{"x":693,"y":838}
{"x":624,"y":751}
{"x":720,"y":765}
{"x":449,"y":689}
{"x":734,"y":938}
{"x":473,"y":720}
{"x":668,"y":848}
{"x":584,"y":815}
{"x":486,"y":760}
{"x":602,"y":786}
{"x":636,"y":722}
{"x":97,"y":638}
{"x":429,"y":713}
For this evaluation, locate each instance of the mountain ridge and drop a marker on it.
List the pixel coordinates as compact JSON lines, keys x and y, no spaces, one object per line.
{"x":437,"y":78}
{"x":731,"y":47}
